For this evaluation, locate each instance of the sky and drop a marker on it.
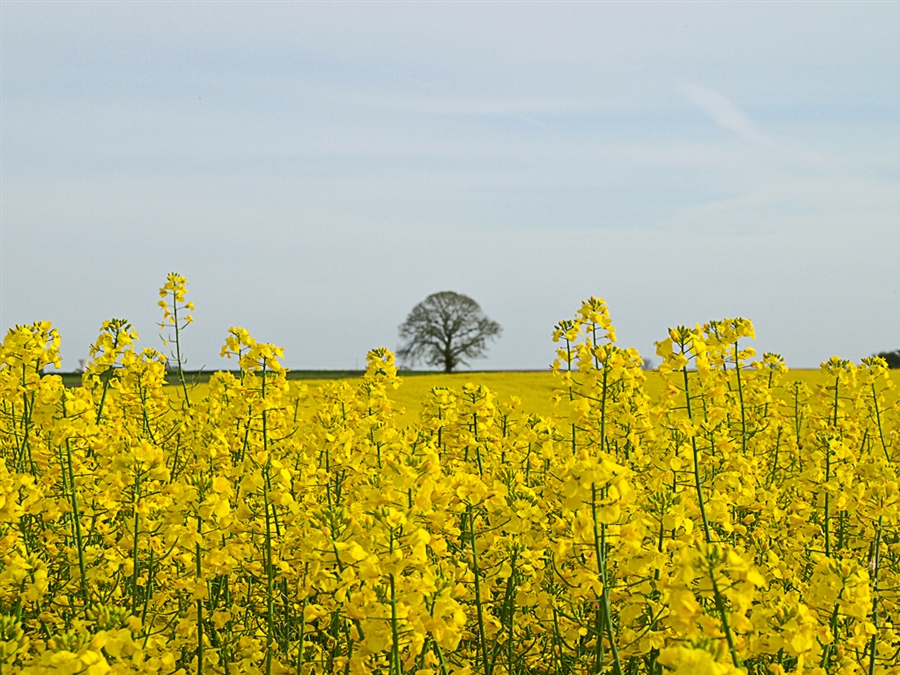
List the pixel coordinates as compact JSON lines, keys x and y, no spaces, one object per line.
{"x":317,"y":169}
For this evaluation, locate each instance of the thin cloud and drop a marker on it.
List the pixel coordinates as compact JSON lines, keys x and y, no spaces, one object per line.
{"x":723,"y":111}
{"x":526,"y":110}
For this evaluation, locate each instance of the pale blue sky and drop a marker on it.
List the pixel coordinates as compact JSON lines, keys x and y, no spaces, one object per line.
{"x":316,"y":169}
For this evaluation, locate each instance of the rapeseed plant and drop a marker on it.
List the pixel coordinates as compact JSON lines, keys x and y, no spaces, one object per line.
{"x":737,"y":522}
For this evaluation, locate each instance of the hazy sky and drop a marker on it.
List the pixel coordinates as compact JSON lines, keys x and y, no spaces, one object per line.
{"x":316,"y":169}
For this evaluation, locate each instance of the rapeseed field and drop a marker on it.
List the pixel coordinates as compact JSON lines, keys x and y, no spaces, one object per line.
{"x":720,"y":515}
{"x":534,"y":389}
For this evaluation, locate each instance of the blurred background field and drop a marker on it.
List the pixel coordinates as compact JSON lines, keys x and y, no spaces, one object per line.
{"x":534,"y":389}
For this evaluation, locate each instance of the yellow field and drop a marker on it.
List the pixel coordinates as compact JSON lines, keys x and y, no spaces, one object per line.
{"x":713,"y":517}
{"x":535,"y":390}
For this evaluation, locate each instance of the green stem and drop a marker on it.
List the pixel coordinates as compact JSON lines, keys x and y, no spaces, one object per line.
{"x":737,"y":370}
{"x":887,"y":455}
{"x":178,"y":362}
{"x":76,"y":522}
{"x":270,"y":571}
{"x":27,"y":414}
{"x":827,"y":500}
{"x":107,"y":376}
{"x":571,"y":394}
{"x":136,"y":496}
{"x":148,"y":594}
{"x":395,"y":635}
{"x":696,"y":452}
{"x":829,"y":648}
{"x":603,"y":405}
{"x":599,"y":552}
{"x":482,"y":639}
{"x":723,"y":614}
{"x":873,"y":644}
{"x":302,"y":636}
{"x":775,"y":458}
{"x":199,"y":576}
{"x":270,"y":578}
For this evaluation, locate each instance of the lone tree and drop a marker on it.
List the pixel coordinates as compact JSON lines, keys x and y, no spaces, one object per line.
{"x":444,"y":330}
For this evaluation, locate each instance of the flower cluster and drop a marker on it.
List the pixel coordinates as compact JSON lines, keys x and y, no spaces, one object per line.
{"x":738,"y":522}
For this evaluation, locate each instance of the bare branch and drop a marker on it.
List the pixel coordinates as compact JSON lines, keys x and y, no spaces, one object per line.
{"x":445,"y":330}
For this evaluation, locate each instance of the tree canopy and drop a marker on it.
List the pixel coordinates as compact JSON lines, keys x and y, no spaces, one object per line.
{"x":446,"y":329}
